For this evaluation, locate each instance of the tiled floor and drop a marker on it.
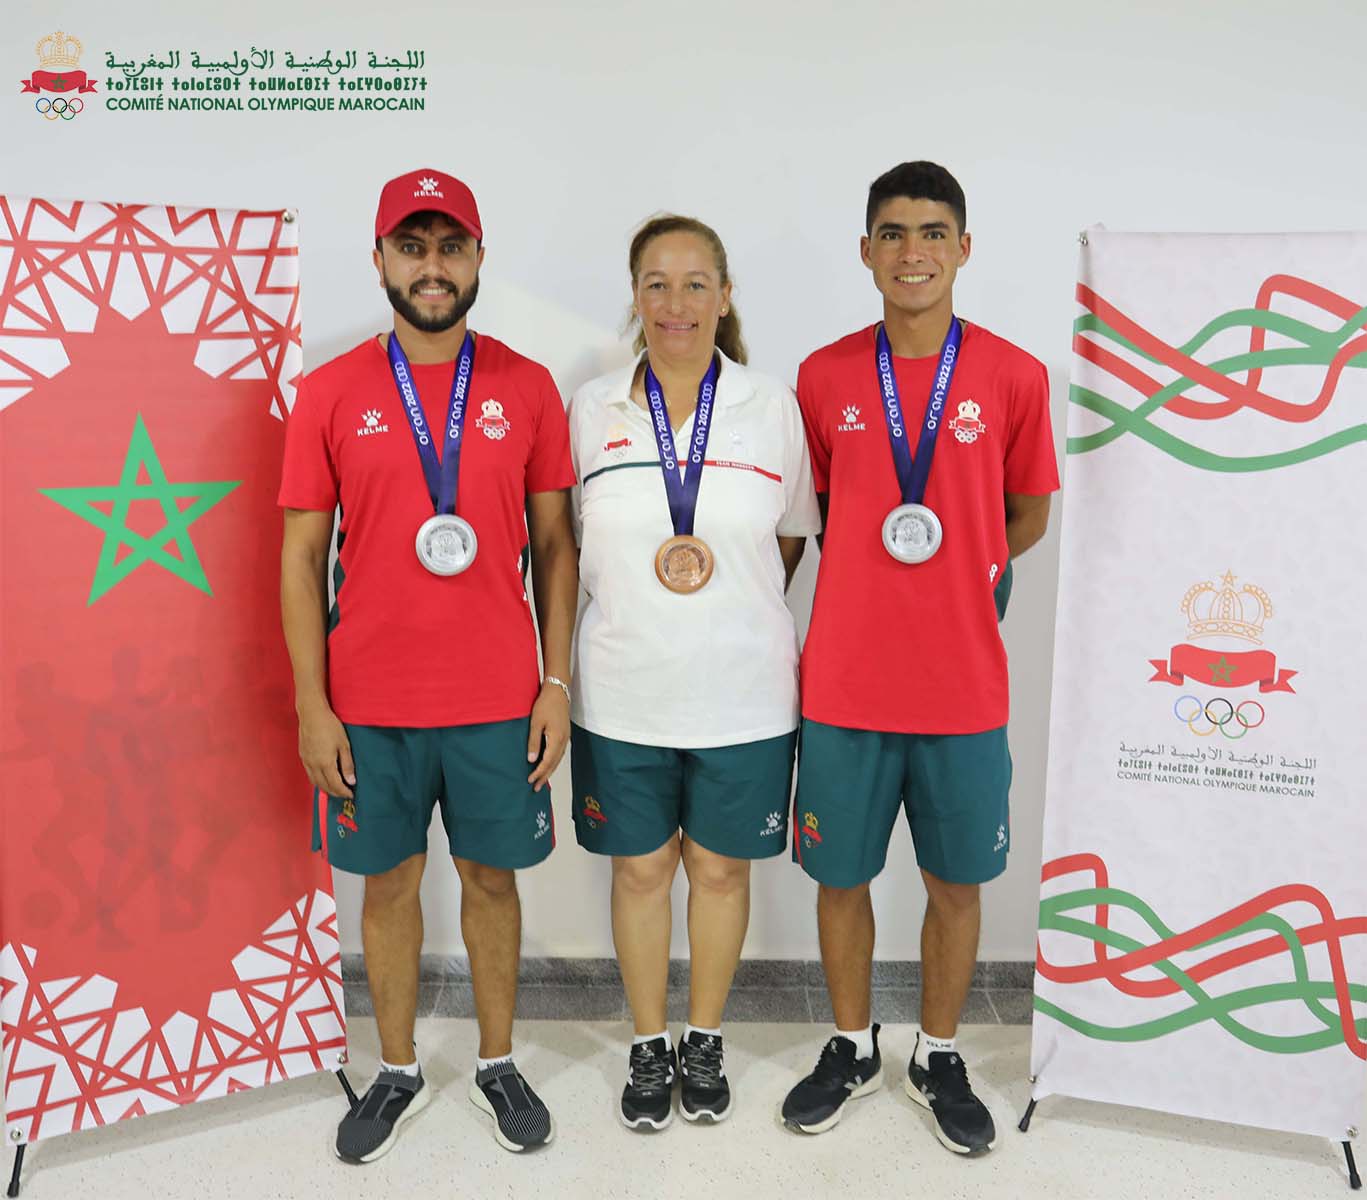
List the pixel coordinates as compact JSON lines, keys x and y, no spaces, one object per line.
{"x":275,"y":1144}
{"x":764,"y":990}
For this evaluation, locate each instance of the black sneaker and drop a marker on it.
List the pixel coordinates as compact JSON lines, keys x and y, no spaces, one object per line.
{"x":816,"y":1104}
{"x":962,"y":1122}
{"x":370,"y":1128}
{"x":705,"y":1094}
{"x":521,"y":1121}
{"x":646,"y":1100}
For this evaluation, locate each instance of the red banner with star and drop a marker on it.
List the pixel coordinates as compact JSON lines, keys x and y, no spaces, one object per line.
{"x":165,"y":935}
{"x":58,"y":81}
{"x":1212,"y":668}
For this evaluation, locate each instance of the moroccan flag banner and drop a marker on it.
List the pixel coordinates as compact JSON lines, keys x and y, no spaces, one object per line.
{"x":1203,"y":915}
{"x":165,"y":936}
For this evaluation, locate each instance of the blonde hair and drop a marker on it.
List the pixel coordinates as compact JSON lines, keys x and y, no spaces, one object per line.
{"x":729,"y":340}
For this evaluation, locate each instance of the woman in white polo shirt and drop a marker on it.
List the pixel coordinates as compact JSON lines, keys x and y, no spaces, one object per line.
{"x":694,"y":506}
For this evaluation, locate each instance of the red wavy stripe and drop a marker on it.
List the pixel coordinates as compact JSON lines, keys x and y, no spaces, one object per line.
{"x":1301,"y":289}
{"x":1238,"y":395}
{"x":1329,"y":930}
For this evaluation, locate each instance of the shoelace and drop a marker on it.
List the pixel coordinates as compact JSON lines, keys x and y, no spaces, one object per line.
{"x":704,"y":1061}
{"x":649,"y":1072}
{"x":833,"y":1066}
{"x":950,"y":1077}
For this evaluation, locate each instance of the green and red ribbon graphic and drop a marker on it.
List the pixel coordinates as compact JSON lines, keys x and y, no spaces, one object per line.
{"x":58,"y":81}
{"x":1335,"y":1022}
{"x":1337,"y":350}
{"x":1222,"y":670}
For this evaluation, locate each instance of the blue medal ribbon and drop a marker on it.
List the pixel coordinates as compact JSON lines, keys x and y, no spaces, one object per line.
{"x":682,"y":492}
{"x":912,"y":476}
{"x":443,"y":477}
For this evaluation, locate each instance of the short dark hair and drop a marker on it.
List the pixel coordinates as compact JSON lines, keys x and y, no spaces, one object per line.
{"x":917,"y":181}
{"x":423,"y":220}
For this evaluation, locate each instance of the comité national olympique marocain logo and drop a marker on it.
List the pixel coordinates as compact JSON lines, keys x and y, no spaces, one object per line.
{"x":58,"y":56}
{"x":1225,"y":620}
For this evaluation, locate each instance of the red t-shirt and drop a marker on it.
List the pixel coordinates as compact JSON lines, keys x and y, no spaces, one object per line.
{"x":915,"y":648}
{"x":407,"y":647}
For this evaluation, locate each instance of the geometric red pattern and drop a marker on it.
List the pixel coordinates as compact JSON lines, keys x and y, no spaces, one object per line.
{"x":229,"y":278}
{"x":74,"y":1060}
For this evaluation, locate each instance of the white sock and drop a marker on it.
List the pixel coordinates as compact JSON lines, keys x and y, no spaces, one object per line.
{"x":690,"y":1029}
{"x":483,"y":1064}
{"x":642,"y":1038}
{"x":409,"y":1069}
{"x":927,"y":1045}
{"x":862,"y":1039}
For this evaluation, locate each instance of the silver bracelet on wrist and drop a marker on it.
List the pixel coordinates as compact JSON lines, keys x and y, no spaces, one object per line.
{"x":560,"y":683}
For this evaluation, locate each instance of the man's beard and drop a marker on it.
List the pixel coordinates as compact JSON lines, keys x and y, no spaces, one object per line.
{"x":439,"y":323}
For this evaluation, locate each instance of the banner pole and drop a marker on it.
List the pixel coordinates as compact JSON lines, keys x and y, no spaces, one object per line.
{"x":19,"y":1166}
{"x":1024,"y":1125}
{"x":346,"y":1087}
{"x":1354,"y":1179}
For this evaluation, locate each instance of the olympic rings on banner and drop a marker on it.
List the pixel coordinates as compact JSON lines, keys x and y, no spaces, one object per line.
{"x":1192,"y":716}
{"x":1214,"y":717}
{"x":60,"y":107}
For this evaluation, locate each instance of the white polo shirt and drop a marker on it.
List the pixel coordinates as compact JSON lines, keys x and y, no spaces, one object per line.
{"x":717,"y":667}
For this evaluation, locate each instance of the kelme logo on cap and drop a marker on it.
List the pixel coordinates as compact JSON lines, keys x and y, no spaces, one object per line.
{"x":427,"y":189}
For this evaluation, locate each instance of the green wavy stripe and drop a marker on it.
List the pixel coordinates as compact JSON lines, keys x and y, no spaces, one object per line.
{"x":1303,"y":1044}
{"x":1091,"y":897}
{"x":1308,"y":335}
{"x":1194,"y":456}
{"x":1318,"y":349}
{"x":1205,"y":1006}
{"x":1219,"y":1008}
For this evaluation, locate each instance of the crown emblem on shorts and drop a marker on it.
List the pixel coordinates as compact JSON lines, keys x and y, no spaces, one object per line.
{"x":1221,"y":611}
{"x":58,"y":51}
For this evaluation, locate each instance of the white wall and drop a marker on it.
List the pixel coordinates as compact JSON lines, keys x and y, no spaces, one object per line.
{"x":768,"y":120}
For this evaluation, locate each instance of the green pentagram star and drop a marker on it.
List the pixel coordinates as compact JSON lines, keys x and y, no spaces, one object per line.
{"x":1221,"y":671}
{"x":110,"y":570}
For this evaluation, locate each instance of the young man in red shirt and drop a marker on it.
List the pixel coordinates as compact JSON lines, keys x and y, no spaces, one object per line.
{"x":934,"y":462}
{"x":448,"y":455}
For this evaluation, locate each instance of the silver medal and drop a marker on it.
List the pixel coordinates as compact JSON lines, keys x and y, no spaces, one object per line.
{"x":912,"y":533}
{"x":446,"y":544}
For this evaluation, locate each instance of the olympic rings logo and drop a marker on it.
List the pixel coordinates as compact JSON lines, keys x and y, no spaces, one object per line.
{"x":60,"y":107}
{"x":1213,"y":716}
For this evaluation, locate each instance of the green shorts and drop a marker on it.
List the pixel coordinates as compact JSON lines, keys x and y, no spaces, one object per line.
{"x":851,"y":783}
{"x":477,"y":773}
{"x":630,"y":799}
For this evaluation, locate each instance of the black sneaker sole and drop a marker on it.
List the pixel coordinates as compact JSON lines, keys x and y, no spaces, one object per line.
{"x":481,"y":1102}
{"x":869,"y":1086}
{"x":945,"y":1140}
{"x":420,"y":1100}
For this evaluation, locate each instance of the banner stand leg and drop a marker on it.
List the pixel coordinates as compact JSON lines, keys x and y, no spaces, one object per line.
{"x":1024,"y":1125}
{"x":341,"y":1077}
{"x":351,"y":1102}
{"x":19,"y":1166}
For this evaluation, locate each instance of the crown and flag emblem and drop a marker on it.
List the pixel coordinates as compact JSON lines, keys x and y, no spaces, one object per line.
{"x":59,"y":55}
{"x":1220,"y":611}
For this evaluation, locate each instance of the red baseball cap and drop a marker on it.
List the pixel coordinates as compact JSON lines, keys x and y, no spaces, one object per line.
{"x":427,"y":191}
